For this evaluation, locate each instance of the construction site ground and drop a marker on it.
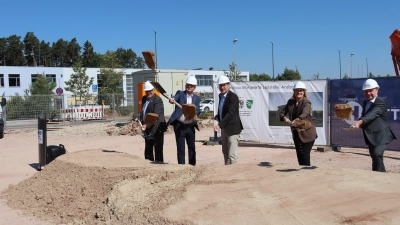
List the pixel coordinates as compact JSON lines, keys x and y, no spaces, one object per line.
{"x":104,"y":179}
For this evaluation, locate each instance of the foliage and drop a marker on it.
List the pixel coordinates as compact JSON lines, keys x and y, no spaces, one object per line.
{"x":42,"y":86}
{"x":79,"y":83}
{"x":289,"y":74}
{"x":260,"y":77}
{"x":346,"y":76}
{"x":62,"y":53}
{"x":370,"y":75}
{"x":315,"y":76}
{"x":233,"y":74}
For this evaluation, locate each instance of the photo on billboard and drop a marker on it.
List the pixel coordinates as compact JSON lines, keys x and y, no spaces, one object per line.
{"x":277,"y":101}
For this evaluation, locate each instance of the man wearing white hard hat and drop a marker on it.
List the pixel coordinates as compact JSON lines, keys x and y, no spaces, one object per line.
{"x":297,"y":113}
{"x":153,"y":134}
{"x":183,"y":126}
{"x":376,"y":128}
{"x":229,"y":122}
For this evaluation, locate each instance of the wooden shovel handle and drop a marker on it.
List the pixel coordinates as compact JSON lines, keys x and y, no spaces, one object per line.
{"x":177,"y":104}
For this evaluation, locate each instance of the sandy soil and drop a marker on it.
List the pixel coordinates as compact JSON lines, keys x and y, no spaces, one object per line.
{"x":103,"y":179}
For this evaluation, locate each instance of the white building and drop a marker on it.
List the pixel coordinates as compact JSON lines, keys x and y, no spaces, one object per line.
{"x":17,"y":79}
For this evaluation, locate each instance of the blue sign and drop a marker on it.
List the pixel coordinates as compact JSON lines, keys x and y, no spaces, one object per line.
{"x":349,"y":91}
{"x":94,"y":87}
{"x":59,"y":91}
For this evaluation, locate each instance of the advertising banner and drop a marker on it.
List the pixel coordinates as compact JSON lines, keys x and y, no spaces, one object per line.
{"x":261,"y":102}
{"x":350,"y":91}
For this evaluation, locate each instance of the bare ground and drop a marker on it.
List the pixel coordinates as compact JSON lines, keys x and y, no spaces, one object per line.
{"x":103,"y":179}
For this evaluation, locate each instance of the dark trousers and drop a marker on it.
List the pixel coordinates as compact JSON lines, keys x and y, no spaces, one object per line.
{"x":303,"y":150}
{"x":376,"y":153}
{"x":185,"y":132}
{"x":157,"y":143}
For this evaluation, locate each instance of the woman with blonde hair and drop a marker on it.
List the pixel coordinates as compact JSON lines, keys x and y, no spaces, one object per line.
{"x":298,"y":111}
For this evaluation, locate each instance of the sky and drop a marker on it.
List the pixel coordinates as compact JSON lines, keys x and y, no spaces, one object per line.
{"x":306,"y":34}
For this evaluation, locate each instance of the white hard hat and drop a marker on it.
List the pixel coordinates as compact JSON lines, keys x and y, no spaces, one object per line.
{"x":148,"y":86}
{"x":370,"y":84}
{"x":191,"y":80}
{"x":299,"y":85}
{"x":223,"y":79}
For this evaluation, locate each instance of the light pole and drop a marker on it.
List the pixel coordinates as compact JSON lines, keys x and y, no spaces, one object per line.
{"x":351,"y":65}
{"x":273,"y":69}
{"x":234,"y":57}
{"x":155,"y":46}
{"x":367,"y":66}
{"x":340,"y":65}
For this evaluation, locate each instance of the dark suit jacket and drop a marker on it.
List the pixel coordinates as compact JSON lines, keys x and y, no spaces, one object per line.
{"x":180,"y":97}
{"x":304,"y":113}
{"x":156,"y":105}
{"x":230,"y":122}
{"x":376,"y":127}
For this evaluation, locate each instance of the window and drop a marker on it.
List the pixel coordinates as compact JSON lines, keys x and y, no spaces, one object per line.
{"x":1,"y":80}
{"x":14,"y":80}
{"x":204,"y":80}
{"x":52,"y":78}
{"x":34,"y":78}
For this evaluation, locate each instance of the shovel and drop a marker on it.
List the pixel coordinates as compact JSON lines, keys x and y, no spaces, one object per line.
{"x":160,"y":89}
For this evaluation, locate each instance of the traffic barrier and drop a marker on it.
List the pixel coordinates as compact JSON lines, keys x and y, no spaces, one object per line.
{"x":83,"y":113}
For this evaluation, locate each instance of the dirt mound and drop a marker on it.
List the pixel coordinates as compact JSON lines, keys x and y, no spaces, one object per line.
{"x":102,"y":195}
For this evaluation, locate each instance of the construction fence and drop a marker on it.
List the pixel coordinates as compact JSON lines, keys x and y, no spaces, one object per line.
{"x":68,"y":107}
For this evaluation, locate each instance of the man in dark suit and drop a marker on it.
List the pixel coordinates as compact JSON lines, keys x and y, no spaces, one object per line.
{"x":375,"y":125}
{"x":183,"y":126}
{"x":153,"y":133}
{"x":228,"y":121}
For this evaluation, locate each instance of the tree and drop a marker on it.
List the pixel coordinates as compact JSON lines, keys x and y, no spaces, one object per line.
{"x":126,"y":57}
{"x":370,"y":75}
{"x":260,"y":77}
{"x":289,"y":74}
{"x":111,"y":79}
{"x":45,"y":56}
{"x":14,"y":52}
{"x":42,"y":86}
{"x":346,"y":76}
{"x":315,"y":76}
{"x":59,"y":50}
{"x":140,"y":63}
{"x":233,"y":74}
{"x":3,"y":51}
{"x":73,"y":52}
{"x":79,"y":83}
{"x":31,"y":49}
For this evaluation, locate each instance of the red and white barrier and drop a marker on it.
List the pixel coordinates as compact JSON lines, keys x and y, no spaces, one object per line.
{"x":83,"y":113}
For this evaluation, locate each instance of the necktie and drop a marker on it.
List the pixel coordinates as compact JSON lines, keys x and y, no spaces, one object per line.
{"x":221,"y":105}
{"x":145,"y":107}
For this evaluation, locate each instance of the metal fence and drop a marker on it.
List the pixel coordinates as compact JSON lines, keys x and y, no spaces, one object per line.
{"x":54,"y":106}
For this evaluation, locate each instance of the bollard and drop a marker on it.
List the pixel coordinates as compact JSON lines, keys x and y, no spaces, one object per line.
{"x":42,"y":138}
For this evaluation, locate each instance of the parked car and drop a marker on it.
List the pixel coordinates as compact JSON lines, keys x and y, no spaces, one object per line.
{"x":207,"y":105}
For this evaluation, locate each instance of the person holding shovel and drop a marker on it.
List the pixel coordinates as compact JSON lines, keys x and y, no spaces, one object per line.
{"x":153,"y":134}
{"x":183,"y":125}
{"x":297,"y":113}
{"x":374,"y":123}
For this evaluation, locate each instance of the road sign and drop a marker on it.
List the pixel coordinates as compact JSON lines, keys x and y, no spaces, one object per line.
{"x":59,"y":91}
{"x":94,"y":87}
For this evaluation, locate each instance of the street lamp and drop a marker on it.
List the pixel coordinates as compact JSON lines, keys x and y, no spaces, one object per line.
{"x":340,"y":65}
{"x":367,"y":66}
{"x":234,"y":56}
{"x":155,"y":46}
{"x":273,"y":69}
{"x":351,"y":65}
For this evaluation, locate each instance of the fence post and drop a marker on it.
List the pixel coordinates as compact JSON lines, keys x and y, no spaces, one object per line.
{"x":42,"y":138}
{"x":113,"y":105}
